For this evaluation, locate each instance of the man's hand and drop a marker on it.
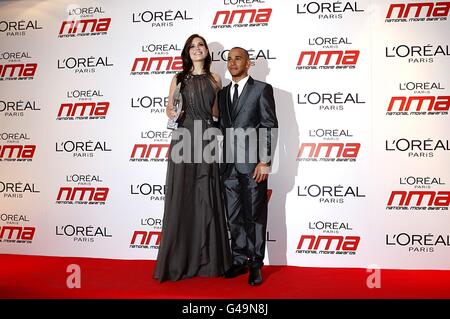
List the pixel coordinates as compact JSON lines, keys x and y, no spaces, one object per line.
{"x":261,"y":172}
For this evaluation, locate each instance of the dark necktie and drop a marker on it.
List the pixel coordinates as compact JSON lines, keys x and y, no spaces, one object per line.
{"x":235,"y":97}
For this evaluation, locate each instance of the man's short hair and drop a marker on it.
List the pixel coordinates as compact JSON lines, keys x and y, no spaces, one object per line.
{"x":245,"y":51}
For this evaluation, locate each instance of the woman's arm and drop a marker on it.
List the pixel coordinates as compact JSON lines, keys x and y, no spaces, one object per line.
{"x":169,"y":108}
{"x":218,"y":84}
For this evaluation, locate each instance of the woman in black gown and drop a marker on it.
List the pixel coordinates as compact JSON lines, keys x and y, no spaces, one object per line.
{"x":194,"y":239}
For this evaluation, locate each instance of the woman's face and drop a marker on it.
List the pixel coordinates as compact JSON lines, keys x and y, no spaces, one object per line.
{"x":198,"y":50}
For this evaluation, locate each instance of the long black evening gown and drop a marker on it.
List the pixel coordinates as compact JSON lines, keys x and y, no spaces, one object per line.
{"x":194,"y":238}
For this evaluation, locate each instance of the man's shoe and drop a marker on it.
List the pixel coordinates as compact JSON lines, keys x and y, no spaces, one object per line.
{"x":235,"y":270}
{"x":255,"y":276}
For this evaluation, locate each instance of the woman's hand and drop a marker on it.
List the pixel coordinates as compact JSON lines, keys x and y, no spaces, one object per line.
{"x":171,"y":113}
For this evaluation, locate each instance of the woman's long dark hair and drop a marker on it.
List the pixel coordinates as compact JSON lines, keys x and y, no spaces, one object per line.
{"x":187,"y":62}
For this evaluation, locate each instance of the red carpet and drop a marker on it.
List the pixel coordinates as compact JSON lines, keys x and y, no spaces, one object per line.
{"x":45,"y":277}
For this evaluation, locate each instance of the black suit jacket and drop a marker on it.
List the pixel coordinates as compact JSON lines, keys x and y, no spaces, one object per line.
{"x":255,"y":110}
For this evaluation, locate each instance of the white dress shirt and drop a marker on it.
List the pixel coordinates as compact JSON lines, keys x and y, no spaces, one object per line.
{"x":241,"y":84}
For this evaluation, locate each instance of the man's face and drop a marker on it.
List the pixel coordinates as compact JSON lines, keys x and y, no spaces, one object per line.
{"x":238,"y":63}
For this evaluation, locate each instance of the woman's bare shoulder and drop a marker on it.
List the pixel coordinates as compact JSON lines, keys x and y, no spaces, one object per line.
{"x":218,"y":80}
{"x":216,"y":77}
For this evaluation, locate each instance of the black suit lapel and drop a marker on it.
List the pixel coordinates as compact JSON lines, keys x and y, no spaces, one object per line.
{"x":243,"y":97}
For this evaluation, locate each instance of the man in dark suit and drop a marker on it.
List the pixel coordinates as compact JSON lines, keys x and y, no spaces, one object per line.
{"x":249,"y":124}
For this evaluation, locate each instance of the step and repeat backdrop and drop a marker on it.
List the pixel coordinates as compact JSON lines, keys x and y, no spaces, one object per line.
{"x":362,"y":90}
